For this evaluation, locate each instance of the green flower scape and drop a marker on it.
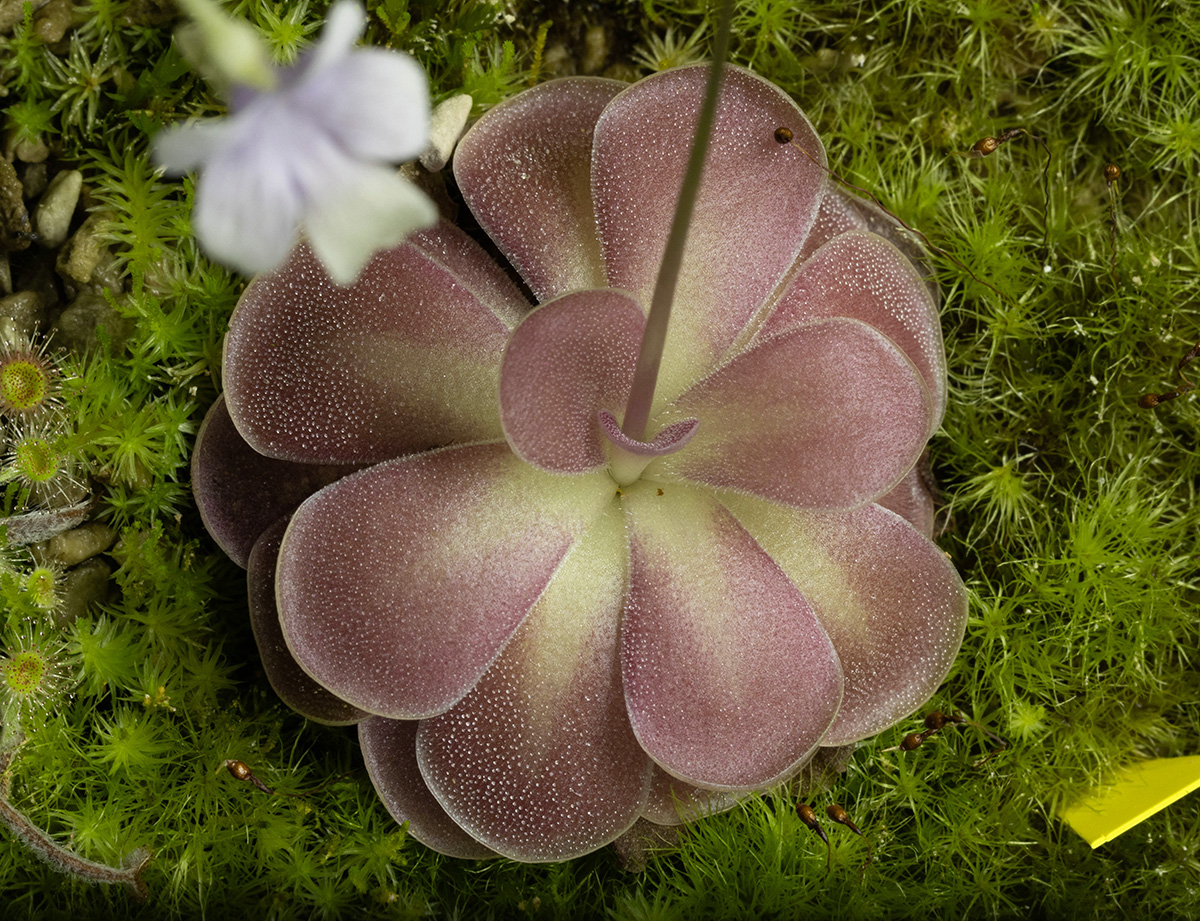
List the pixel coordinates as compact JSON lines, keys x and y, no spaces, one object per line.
{"x":1070,"y":512}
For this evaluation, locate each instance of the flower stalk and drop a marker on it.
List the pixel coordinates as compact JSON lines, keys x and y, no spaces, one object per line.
{"x":58,"y":857}
{"x":645,"y":376}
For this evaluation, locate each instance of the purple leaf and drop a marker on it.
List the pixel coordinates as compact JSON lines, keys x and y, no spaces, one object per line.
{"x":889,"y":599}
{"x":673,"y":802}
{"x":568,"y":359}
{"x":839,"y":416}
{"x":399,"y":585}
{"x":239,"y":492}
{"x":406,"y":359}
{"x":539,"y":761}
{"x":389,"y":750}
{"x":730,"y":680}
{"x":863,"y":276}
{"x":757,"y":203}
{"x":294,"y":687}
{"x":525,"y":172}
{"x":912,"y":501}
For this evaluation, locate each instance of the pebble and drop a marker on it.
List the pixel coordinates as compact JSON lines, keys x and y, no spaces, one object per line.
{"x":32,"y":151}
{"x":34,"y":180}
{"x":446,"y":125}
{"x":75,"y":327}
{"x":13,"y":11}
{"x":150,"y":12}
{"x":83,"y":253}
{"x":23,"y":311}
{"x":5,"y":275}
{"x":57,"y":207}
{"x":82,"y":543}
{"x":53,"y":20}
{"x":83,"y":587}
{"x":15,"y":228}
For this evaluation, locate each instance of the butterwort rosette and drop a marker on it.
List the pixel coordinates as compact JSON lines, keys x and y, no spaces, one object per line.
{"x":546,"y":629}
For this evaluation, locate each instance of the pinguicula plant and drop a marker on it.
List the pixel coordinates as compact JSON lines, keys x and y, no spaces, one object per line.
{"x":635,"y":551}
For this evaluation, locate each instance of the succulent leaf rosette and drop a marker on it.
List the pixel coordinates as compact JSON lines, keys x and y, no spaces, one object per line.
{"x":544,"y":628}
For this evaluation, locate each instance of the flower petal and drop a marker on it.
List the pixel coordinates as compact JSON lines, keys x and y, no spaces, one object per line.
{"x":539,"y":762}
{"x":375,"y":102}
{"x":729,"y":679}
{"x":406,"y":359}
{"x":389,"y":750}
{"x":863,"y":276}
{"x":239,"y":492}
{"x":673,"y":802}
{"x":344,"y":23}
{"x":253,"y":191}
{"x":399,"y":585}
{"x":181,"y":148}
{"x":367,"y":209}
{"x":890,"y":600}
{"x":525,"y":171}
{"x":568,"y":359}
{"x":840,"y":416}
{"x":758,"y":200}
{"x":289,"y":681}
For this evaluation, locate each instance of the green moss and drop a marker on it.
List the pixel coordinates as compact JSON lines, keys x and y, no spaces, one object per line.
{"x":1070,"y":512}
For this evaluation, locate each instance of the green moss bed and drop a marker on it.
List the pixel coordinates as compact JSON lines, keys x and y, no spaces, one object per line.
{"x":1069,"y":510}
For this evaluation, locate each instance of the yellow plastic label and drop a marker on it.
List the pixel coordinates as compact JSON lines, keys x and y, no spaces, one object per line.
{"x":1138,"y":793}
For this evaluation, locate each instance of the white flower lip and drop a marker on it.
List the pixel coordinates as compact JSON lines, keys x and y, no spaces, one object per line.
{"x":309,"y":156}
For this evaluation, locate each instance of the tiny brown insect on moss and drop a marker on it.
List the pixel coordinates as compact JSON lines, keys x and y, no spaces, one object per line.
{"x":241,"y":771}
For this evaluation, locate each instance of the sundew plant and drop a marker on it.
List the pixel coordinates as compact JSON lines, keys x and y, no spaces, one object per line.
{"x":137,"y":717}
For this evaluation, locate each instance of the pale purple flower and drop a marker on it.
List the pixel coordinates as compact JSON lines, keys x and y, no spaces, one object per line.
{"x":544,"y":630}
{"x":310,"y":152}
